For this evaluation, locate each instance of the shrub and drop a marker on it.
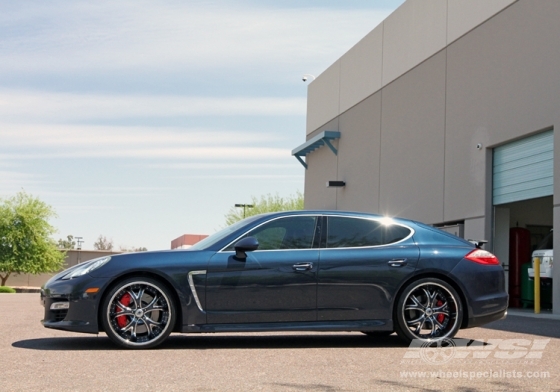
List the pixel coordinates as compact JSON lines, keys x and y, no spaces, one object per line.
{"x":6,"y":289}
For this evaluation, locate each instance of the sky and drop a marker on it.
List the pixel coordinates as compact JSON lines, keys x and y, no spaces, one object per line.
{"x":145,"y":120}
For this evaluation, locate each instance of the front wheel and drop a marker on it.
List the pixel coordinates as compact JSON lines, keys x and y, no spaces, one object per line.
{"x":428,"y":309}
{"x":138,"y":313}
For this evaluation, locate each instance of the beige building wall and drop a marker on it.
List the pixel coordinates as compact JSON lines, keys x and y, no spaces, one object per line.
{"x":458,"y":78}
{"x":413,"y":143}
{"x":502,"y":84}
{"x":361,"y":70}
{"x":361,"y":142}
{"x":414,"y":32}
{"x":493,"y":84}
{"x":409,"y":36}
{"x":322,"y":167}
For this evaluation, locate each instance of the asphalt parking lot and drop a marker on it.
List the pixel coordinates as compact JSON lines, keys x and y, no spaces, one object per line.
{"x":517,"y":353}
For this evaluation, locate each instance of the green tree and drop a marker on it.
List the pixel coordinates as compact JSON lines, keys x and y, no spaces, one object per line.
{"x":26,"y":246}
{"x":68,"y":243}
{"x":268,"y":203}
{"x":103,"y":243}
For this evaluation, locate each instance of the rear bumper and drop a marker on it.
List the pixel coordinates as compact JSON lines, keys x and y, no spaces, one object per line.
{"x":484,"y":310}
{"x":488,"y":318}
{"x":484,"y":289}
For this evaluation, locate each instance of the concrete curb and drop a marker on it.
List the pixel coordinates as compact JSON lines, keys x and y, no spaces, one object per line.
{"x":529,"y":313}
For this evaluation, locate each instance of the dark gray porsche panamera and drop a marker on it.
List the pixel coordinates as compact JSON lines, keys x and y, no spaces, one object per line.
{"x":287,"y":271}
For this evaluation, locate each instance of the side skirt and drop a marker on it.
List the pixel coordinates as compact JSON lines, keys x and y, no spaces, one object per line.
{"x":360,"y":325}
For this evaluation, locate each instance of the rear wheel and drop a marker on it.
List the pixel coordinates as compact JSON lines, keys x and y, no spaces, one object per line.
{"x":138,"y":313}
{"x":428,"y":309}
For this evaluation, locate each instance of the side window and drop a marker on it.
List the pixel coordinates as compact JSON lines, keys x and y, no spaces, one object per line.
{"x":270,"y":237}
{"x":295,"y":232}
{"x":346,"y":232}
{"x":394,"y":233}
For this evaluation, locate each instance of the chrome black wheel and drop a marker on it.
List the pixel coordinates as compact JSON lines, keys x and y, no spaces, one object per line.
{"x":430,"y":310}
{"x":138,"y":313}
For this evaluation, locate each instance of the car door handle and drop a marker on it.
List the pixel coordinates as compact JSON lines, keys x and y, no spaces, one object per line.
{"x":397,"y":263}
{"x":302,"y":266}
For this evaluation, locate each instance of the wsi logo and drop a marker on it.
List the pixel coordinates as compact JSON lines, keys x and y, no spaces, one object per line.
{"x":439,"y":352}
{"x":445,"y":350}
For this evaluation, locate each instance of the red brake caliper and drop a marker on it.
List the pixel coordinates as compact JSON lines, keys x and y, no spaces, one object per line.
{"x":123,"y":320}
{"x":440,"y":317}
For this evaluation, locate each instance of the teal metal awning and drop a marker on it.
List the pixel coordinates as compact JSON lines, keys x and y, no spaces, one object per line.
{"x":322,"y":139}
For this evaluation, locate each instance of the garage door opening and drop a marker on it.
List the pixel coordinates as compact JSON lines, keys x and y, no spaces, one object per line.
{"x":522,"y":189}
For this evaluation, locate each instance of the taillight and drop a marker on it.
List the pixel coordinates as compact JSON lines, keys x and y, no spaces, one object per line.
{"x":481,"y":256}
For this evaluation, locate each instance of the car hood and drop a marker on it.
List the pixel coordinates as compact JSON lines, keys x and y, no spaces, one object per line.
{"x":160,"y":261}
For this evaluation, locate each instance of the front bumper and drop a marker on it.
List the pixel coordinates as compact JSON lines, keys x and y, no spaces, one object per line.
{"x":82,"y":312}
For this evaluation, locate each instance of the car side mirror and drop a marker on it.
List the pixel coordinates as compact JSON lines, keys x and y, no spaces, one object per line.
{"x":247,"y":244}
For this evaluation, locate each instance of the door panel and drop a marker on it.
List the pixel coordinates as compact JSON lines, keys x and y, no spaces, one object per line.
{"x":277,"y":283}
{"x":359,"y":284}
{"x":362,"y":267}
{"x":270,"y":286}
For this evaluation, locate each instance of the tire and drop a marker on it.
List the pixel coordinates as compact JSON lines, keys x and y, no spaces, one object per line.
{"x":138,"y":313}
{"x":377,"y":334}
{"x":428,"y":309}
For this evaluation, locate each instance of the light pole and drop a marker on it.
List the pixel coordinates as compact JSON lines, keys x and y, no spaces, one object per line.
{"x":79,"y":241}
{"x":245,"y":206}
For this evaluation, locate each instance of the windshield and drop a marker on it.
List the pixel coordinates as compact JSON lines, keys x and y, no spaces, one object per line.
{"x":220,"y":235}
{"x":546,"y":243}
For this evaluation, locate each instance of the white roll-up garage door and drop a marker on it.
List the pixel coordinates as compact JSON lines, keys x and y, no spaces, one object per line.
{"x":524,"y":169}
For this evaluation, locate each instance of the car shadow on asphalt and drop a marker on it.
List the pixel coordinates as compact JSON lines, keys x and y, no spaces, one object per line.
{"x":221,"y":341}
{"x":527,"y":325}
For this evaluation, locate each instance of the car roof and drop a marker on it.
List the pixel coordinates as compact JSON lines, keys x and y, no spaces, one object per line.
{"x":408,"y":222}
{"x":335,"y":213}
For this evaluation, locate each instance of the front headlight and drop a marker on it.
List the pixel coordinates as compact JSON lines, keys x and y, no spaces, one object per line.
{"x":86,"y":267}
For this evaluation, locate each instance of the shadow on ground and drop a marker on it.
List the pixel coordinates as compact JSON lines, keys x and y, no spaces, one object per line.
{"x":219,"y":341}
{"x":528,"y":325}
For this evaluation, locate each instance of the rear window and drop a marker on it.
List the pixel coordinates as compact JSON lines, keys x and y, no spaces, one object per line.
{"x":433,"y":236}
{"x":345,"y":232}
